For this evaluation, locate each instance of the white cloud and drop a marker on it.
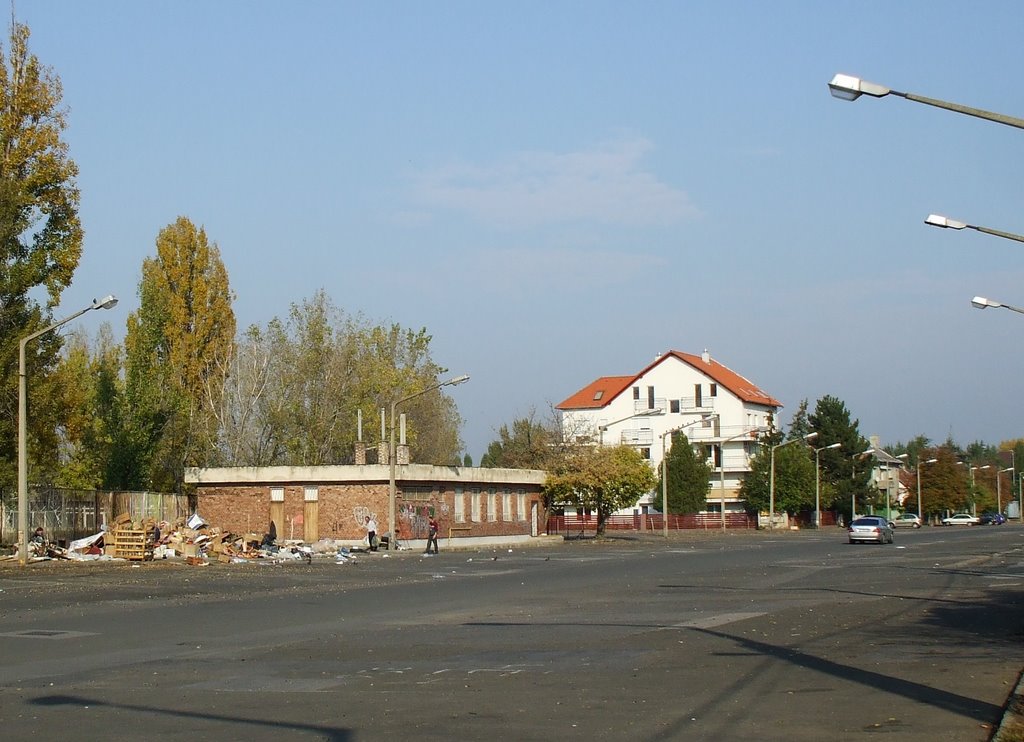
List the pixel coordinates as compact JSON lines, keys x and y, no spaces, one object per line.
{"x":606,"y":185}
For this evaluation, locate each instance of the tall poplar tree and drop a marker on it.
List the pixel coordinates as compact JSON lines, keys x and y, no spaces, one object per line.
{"x":176,"y":342}
{"x":40,"y":232}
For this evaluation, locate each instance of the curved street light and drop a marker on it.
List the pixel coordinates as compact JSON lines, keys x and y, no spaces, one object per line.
{"x":664,"y":466}
{"x":771,"y":476}
{"x":392,"y":489}
{"x":920,"y":513}
{"x":980,"y":302}
{"x":817,"y":481}
{"x":106,"y":302}
{"x":944,"y":222}
{"x":847,"y":87}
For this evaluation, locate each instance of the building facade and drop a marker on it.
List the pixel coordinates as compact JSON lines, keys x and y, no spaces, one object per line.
{"x":318,"y":502}
{"x":721,"y":412}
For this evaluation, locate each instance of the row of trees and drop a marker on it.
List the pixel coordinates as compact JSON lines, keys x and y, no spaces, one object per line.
{"x":184,"y":388}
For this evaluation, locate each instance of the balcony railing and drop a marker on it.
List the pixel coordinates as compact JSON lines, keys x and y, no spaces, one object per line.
{"x":641,"y":406}
{"x":695,"y":404}
{"x":641,"y":437}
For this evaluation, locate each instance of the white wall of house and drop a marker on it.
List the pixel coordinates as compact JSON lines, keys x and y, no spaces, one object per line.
{"x":670,"y":395}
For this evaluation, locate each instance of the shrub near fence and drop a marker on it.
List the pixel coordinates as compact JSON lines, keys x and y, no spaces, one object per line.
{"x":70,"y":514}
{"x":576,"y":524}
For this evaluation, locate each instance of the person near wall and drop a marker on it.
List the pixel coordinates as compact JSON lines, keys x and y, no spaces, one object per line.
{"x":432,"y":534}
{"x":371,"y":532}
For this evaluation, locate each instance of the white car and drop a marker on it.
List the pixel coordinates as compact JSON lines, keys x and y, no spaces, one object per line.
{"x":961,"y":519}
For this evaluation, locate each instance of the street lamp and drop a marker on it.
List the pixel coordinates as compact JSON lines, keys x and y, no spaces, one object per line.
{"x":999,"y":491}
{"x":771,"y":477}
{"x":392,"y":491}
{"x":817,"y":482}
{"x":853,"y":476}
{"x":847,"y":87}
{"x":752,"y":433}
{"x":920,"y":513}
{"x":888,"y":487}
{"x":980,"y":302}
{"x":664,"y":467}
{"x":105,"y":303}
{"x":944,"y":222}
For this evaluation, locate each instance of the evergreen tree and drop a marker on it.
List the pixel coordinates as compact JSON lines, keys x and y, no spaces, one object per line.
{"x":688,"y":478}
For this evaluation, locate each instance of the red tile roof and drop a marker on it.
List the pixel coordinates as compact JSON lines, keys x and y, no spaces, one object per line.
{"x":597,"y":394}
{"x":612,"y":386}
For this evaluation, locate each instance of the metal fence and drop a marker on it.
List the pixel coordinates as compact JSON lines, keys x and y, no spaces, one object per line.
{"x":576,"y":524}
{"x":71,"y":514}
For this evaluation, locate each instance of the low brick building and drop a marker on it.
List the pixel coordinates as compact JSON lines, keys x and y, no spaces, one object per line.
{"x":315,"y":502}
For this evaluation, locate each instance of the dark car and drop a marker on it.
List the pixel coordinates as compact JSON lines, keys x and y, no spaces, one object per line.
{"x":992,"y":519}
{"x":870,"y":528}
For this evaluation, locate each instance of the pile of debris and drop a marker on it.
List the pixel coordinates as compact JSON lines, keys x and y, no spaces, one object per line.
{"x":192,"y":539}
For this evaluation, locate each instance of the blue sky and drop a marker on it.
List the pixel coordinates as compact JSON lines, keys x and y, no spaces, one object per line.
{"x":562,"y":190}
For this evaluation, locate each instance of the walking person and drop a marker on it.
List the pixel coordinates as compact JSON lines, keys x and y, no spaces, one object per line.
{"x":371,"y":532}
{"x":431,"y":534}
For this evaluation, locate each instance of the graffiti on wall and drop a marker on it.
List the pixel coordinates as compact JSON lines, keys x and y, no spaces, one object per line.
{"x":415,"y":517}
{"x":360,"y":513}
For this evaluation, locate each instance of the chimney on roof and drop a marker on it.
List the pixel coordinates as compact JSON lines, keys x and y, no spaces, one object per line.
{"x":706,"y":357}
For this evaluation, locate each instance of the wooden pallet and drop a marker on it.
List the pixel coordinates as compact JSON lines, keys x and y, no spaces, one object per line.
{"x":133,"y":544}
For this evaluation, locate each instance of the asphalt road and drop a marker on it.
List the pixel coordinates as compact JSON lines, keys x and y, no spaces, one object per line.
{"x":752,"y":636}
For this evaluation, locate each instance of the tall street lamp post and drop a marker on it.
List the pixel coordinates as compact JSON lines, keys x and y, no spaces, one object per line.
{"x":944,"y":222}
{"x":888,"y":492}
{"x":847,"y":87}
{"x":853,"y":476}
{"x":392,"y":490}
{"x":920,"y":512}
{"x":817,"y":481}
{"x":105,"y":303}
{"x":771,"y":476}
{"x":752,"y":433}
{"x":664,"y":468}
{"x":999,"y":490}
{"x":1020,"y":497}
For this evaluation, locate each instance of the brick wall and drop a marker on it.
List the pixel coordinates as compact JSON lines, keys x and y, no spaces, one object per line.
{"x":342,"y":506}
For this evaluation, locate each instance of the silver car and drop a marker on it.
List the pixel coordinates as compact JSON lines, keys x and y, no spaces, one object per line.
{"x":907,"y":520}
{"x":870,"y":528}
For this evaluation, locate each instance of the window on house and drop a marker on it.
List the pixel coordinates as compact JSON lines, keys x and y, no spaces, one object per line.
{"x":460,"y":505}
{"x":311,"y":494}
{"x":277,"y":494}
{"x":506,"y":505}
{"x":718,"y":456}
{"x":520,"y":505}
{"x":646,"y":453}
{"x":598,"y":394}
{"x":492,"y":505}
{"x":673,"y":406}
{"x":636,"y":392}
{"x":650,"y":397}
{"x":714,"y":390}
{"x":697,"y":396}
{"x":475,"y":504}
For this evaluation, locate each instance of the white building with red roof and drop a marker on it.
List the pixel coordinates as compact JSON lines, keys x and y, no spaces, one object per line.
{"x":719,"y":410}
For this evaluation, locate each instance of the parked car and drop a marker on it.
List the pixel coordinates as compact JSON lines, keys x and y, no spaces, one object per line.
{"x":992,"y":519}
{"x":961,"y":519}
{"x":870,"y":528}
{"x":907,"y":520}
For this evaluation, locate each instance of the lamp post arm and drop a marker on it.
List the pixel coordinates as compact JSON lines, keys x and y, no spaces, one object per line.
{"x":998,"y":118}
{"x":998,"y":233}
